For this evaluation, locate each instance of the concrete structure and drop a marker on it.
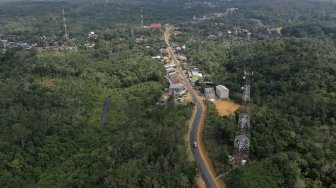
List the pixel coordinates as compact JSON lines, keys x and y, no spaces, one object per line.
{"x":222,"y":92}
{"x":175,"y":83}
{"x":209,"y":93}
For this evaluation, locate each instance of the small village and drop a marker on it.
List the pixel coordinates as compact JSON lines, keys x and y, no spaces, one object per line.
{"x":47,"y":43}
{"x":177,"y":85}
{"x":168,"y":93}
{"x":238,"y":32}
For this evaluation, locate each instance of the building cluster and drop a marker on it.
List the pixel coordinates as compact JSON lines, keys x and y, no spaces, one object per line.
{"x":46,"y":43}
{"x":173,"y":76}
{"x":11,"y":42}
{"x":57,"y":48}
{"x":221,"y":92}
{"x":241,"y":31}
{"x":191,"y":4}
{"x":197,"y":19}
{"x":194,"y":75}
{"x":230,"y":10}
{"x":20,"y":45}
{"x":176,"y":85}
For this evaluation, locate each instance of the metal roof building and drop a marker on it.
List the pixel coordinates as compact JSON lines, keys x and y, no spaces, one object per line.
{"x":155,"y":26}
{"x":222,"y":92}
{"x":209,"y":93}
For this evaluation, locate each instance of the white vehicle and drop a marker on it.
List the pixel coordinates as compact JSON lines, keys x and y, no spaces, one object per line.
{"x":195,"y":144}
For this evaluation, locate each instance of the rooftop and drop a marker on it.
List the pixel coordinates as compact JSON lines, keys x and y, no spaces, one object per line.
{"x":221,"y":87}
{"x":155,"y":25}
{"x":174,"y":78}
{"x":209,"y":91}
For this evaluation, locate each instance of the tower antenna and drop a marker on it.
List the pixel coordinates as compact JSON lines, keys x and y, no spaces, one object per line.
{"x":142,"y":25}
{"x":66,"y":36}
{"x":242,"y":139}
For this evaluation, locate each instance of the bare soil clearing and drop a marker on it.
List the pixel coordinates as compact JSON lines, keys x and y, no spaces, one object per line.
{"x":225,"y":108}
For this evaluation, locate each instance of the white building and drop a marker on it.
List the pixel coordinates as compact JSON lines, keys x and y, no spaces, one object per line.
{"x":92,"y":35}
{"x":222,"y":92}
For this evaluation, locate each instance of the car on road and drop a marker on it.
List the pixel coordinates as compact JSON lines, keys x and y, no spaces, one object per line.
{"x":195,"y":144}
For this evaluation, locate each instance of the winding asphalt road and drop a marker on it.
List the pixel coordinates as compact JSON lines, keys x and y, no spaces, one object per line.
{"x":205,"y":172}
{"x":194,"y":138}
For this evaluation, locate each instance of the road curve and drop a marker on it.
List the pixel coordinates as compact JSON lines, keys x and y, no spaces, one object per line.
{"x":194,"y":136}
{"x":196,"y":124}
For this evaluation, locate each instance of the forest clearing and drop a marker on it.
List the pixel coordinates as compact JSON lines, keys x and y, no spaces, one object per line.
{"x":225,"y":108}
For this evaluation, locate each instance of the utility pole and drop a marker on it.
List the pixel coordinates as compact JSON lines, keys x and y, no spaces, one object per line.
{"x":66,"y":36}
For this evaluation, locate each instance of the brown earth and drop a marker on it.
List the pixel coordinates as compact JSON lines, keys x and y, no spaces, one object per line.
{"x":200,"y":183}
{"x":225,"y":108}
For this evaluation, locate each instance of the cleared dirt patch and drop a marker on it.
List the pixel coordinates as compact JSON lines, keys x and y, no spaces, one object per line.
{"x":50,"y":83}
{"x":225,"y":108}
{"x":188,"y":98}
{"x":200,"y":183}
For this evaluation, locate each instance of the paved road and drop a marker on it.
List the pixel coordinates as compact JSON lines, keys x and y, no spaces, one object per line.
{"x":194,"y":137}
{"x":205,"y":172}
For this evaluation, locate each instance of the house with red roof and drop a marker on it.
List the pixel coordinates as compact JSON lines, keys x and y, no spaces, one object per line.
{"x":155,"y":26}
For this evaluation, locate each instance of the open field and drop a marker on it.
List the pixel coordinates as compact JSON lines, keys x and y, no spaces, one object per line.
{"x":225,"y":108}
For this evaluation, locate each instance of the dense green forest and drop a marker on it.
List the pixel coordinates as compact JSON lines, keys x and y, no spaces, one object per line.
{"x":293,"y":113}
{"x":50,"y":120}
{"x":293,"y":91}
{"x":30,"y":18}
{"x":51,"y":101}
